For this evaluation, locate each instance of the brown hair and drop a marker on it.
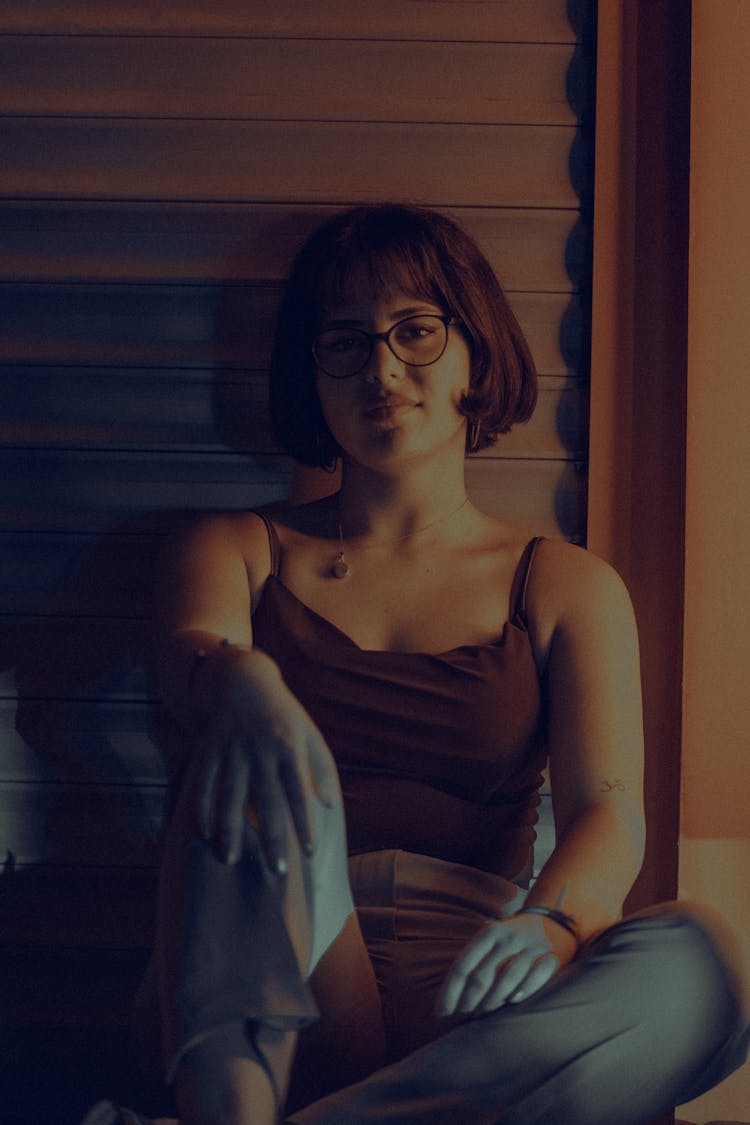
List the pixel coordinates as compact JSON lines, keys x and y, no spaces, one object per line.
{"x":424,"y":253}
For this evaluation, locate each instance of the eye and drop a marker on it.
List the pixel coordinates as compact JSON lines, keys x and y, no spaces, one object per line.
{"x":416,"y":329}
{"x":340,"y":343}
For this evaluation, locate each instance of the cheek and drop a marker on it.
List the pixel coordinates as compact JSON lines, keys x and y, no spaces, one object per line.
{"x":332,"y":397}
{"x":458,"y":376}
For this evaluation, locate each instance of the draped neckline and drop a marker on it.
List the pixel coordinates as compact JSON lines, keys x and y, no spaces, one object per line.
{"x":517,"y":623}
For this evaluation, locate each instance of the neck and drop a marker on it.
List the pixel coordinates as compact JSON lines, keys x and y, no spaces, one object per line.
{"x":388,"y":507}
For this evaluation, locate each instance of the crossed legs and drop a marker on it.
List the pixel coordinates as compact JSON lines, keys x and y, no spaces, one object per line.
{"x":650,"y":1014}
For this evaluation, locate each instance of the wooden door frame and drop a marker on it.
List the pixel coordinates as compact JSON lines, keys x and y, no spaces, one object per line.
{"x":636,"y":511}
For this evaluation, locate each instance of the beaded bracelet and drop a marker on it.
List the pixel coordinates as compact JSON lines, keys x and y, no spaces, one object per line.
{"x":565,"y":920}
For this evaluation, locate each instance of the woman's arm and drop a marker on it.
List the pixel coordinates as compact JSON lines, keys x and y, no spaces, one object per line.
{"x":258,"y":747}
{"x":202,"y":597}
{"x":592,"y":681}
{"x":584,"y":633}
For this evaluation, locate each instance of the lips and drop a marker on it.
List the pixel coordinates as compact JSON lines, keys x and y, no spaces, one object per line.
{"x":386,"y":406}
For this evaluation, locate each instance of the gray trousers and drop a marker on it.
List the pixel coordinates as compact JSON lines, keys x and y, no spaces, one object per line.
{"x":644,"y":1018}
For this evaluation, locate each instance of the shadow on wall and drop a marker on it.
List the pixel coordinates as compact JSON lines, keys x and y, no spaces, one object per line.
{"x":92,"y":779}
{"x":86,"y":747}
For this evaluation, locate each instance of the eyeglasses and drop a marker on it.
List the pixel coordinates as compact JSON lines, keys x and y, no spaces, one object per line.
{"x":416,"y":341}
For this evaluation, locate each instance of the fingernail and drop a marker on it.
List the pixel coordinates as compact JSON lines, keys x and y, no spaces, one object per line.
{"x":308,"y":847}
{"x":281,"y":867}
{"x":516,"y":996}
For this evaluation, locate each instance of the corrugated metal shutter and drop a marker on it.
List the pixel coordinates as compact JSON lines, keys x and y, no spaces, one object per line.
{"x":159,"y":166}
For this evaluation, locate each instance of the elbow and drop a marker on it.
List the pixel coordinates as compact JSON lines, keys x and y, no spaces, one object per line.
{"x":631,"y":830}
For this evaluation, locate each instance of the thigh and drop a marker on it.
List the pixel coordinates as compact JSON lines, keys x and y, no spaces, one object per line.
{"x":347,"y":1043}
{"x":418,"y":913}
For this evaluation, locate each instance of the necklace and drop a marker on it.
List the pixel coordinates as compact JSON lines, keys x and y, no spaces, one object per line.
{"x":341,"y":568}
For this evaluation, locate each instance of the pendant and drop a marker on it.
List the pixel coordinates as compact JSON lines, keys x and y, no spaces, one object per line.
{"x":340,"y":568}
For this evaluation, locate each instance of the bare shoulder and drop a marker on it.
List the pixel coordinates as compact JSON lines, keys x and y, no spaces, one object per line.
{"x":222,"y":539}
{"x":570,"y":576}
{"x":573,"y":590}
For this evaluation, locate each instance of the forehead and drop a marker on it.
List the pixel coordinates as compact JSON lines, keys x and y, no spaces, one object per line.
{"x":391,"y":305}
{"x":384,"y":279}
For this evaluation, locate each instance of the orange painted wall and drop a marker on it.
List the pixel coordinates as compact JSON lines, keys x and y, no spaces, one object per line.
{"x":716,"y":705}
{"x":669,"y":474}
{"x":714,"y":854}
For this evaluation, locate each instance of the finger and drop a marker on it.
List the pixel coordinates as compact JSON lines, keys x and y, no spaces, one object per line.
{"x":488,"y":976}
{"x":491,"y":942}
{"x":323,"y":770}
{"x":232,"y":809}
{"x":271,"y":805}
{"x":299,"y":805}
{"x":459,"y":973}
{"x":508,"y":978}
{"x":539,"y":975}
{"x":207,"y":795}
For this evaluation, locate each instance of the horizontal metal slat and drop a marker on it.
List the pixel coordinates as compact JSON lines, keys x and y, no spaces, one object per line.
{"x":445,"y":165}
{"x":285,"y":79}
{"x":205,"y":325}
{"x":53,"y":657}
{"x":98,"y":491}
{"x":151,"y":242}
{"x":96,"y":742}
{"x":116,"y":826}
{"x":509,"y":20}
{"x":153,"y":408}
{"x":540,"y":497}
{"x":78,"y":908}
{"x":77,"y":575}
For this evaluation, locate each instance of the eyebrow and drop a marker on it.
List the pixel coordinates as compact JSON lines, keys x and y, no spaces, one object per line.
{"x":399,"y":314}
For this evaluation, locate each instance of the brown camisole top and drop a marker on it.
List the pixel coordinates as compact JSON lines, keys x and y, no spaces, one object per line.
{"x":437,"y":753}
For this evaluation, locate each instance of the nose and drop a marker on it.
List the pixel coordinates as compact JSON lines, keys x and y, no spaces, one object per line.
{"x":383,"y":365}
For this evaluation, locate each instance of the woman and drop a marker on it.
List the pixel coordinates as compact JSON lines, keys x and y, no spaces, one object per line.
{"x":394,"y":643}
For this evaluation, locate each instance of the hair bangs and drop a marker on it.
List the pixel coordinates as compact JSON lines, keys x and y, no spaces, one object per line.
{"x":360,"y":270}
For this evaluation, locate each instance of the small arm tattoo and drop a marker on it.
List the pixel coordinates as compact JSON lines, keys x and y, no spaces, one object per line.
{"x":608,"y":786}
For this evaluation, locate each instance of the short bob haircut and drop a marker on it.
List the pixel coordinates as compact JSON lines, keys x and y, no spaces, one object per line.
{"x":381,"y":248}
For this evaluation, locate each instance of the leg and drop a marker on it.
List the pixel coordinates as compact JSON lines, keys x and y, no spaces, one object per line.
{"x":225,"y":1080}
{"x":644,"y":1019}
{"x":234,"y":948}
{"x":348,"y":1041}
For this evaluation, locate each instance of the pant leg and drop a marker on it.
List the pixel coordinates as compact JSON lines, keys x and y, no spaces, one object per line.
{"x":643,"y":1020}
{"x":237,"y":944}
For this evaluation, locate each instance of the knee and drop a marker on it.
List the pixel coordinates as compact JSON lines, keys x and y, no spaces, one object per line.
{"x":694,"y":962}
{"x":710,"y":938}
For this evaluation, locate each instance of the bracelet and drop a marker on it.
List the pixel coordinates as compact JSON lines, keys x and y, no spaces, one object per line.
{"x":565,"y":920}
{"x":199,"y":657}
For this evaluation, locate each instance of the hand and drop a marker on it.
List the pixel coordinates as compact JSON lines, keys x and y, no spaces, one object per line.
{"x":265,"y":753}
{"x":508,"y":961}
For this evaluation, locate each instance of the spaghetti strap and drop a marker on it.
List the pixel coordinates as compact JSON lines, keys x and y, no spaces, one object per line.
{"x":274,"y":545}
{"x":521,"y":579}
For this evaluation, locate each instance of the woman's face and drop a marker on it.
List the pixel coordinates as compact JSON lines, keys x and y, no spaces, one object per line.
{"x":391,"y":410}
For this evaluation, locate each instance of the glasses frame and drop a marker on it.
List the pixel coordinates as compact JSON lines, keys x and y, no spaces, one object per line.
{"x":447,"y":320}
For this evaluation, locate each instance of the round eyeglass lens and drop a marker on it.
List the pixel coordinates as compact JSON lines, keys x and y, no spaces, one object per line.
{"x":342,"y":351}
{"x":417,"y":341}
